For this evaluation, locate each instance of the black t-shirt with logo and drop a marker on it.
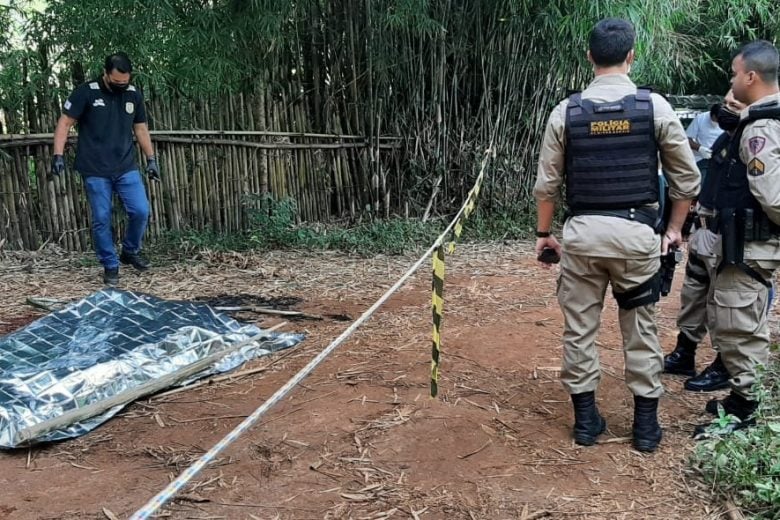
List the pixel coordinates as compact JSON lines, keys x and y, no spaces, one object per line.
{"x":105,"y":123}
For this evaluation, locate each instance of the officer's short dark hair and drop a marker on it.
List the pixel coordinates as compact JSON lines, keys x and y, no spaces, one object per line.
{"x":761,"y":57}
{"x":119,"y":62}
{"x":714,"y":109}
{"x":610,"y":41}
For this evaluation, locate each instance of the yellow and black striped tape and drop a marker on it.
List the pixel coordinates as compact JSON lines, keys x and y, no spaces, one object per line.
{"x":438,"y":277}
{"x":438,"y":314}
{"x":471,"y":203}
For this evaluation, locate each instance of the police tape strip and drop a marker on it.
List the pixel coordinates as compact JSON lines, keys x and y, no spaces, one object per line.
{"x":164,"y":496}
{"x":438,"y":313}
{"x":437,"y":297}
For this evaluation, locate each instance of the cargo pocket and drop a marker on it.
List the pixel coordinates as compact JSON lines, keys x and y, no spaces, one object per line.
{"x":737,"y":311}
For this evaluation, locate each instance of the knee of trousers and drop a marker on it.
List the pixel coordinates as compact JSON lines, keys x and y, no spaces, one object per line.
{"x":101,"y":220}
{"x":140,"y":212}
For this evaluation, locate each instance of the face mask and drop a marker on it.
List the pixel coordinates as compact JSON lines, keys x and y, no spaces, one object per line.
{"x":118,"y":87}
{"x":728,"y":121}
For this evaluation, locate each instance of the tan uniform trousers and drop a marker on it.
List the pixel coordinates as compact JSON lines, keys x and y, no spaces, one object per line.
{"x":582,"y":287}
{"x":693,"y":319}
{"x":738,"y":304}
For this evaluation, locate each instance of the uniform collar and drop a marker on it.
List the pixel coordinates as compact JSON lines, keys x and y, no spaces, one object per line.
{"x":771,"y":98}
{"x":612,"y":80}
{"x":768,"y":99}
{"x":103,"y":87}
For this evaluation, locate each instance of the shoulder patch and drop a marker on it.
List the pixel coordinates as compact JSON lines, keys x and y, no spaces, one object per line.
{"x":94,"y":85}
{"x":756,"y":144}
{"x":755,"y":168}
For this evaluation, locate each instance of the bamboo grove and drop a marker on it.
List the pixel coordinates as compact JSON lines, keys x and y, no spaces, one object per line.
{"x":350,"y":107}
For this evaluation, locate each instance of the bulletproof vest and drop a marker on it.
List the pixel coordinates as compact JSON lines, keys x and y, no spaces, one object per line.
{"x":611,"y":153}
{"x":717,"y":171}
{"x":734,"y":191}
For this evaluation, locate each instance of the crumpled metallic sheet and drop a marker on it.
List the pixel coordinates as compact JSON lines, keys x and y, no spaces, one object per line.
{"x":106,"y":344}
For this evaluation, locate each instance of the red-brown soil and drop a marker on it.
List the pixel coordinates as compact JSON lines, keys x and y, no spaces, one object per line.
{"x":361,"y":438}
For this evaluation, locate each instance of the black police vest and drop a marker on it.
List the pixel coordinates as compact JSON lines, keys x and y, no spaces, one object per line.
{"x":611,"y":153}
{"x":734,"y":190}
{"x":717,"y":171}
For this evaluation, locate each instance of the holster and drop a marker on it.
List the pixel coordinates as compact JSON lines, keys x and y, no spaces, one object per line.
{"x":732,"y":230}
{"x":645,"y":293}
{"x":737,"y":226}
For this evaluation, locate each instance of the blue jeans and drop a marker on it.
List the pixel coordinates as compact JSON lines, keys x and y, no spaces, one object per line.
{"x":100,"y":193}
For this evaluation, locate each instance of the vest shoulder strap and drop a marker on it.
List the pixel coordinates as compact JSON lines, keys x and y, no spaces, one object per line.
{"x":643,"y":93}
{"x":575,"y":105}
{"x":642,"y":99}
{"x":769,"y":110}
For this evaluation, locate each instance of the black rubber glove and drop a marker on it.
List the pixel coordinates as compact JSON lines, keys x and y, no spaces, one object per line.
{"x":57,"y":165}
{"x":152,"y":169}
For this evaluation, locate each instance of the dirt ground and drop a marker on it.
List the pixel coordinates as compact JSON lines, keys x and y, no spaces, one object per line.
{"x":361,"y":438}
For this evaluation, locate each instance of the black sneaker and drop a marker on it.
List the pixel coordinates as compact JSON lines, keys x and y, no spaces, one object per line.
{"x":134,"y":259}
{"x":714,"y":377}
{"x":111,"y":276}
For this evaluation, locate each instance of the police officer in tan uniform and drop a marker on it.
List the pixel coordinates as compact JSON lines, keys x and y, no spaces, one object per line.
{"x":604,"y":145}
{"x":703,"y":250}
{"x":748,"y":205}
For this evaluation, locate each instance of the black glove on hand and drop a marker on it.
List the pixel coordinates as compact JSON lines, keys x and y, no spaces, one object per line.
{"x":152,"y":169}
{"x":57,"y":165}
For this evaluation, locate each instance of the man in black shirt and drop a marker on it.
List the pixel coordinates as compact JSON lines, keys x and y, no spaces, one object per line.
{"x":109,"y":110}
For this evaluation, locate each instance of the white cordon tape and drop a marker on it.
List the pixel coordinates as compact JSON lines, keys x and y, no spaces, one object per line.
{"x":174,"y":487}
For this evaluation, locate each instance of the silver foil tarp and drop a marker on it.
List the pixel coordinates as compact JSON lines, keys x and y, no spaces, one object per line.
{"x":110,"y":344}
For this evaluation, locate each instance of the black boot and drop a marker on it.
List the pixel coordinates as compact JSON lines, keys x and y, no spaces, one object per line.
{"x":647,"y":431}
{"x":682,"y":360}
{"x":714,"y":377}
{"x":111,"y":276}
{"x":734,"y":404}
{"x":588,"y":423}
{"x":134,"y":259}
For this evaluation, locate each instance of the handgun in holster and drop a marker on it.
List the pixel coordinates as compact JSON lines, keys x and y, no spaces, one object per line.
{"x":668,"y":263}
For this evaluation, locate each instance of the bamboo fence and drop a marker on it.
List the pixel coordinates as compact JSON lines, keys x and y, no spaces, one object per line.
{"x":211,"y":179}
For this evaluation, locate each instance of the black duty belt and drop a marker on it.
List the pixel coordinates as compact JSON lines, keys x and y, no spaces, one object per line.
{"x":643,"y":215}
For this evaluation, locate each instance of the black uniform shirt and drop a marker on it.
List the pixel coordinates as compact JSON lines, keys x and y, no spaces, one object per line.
{"x":105,"y":123}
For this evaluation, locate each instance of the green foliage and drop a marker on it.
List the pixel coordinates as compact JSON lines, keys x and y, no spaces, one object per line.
{"x":199,"y":46}
{"x":273,"y":226}
{"x":483,"y":226}
{"x":744,"y":465}
{"x":720,"y":27}
{"x":273,"y":222}
{"x":190,"y":242}
{"x":439,"y":73}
